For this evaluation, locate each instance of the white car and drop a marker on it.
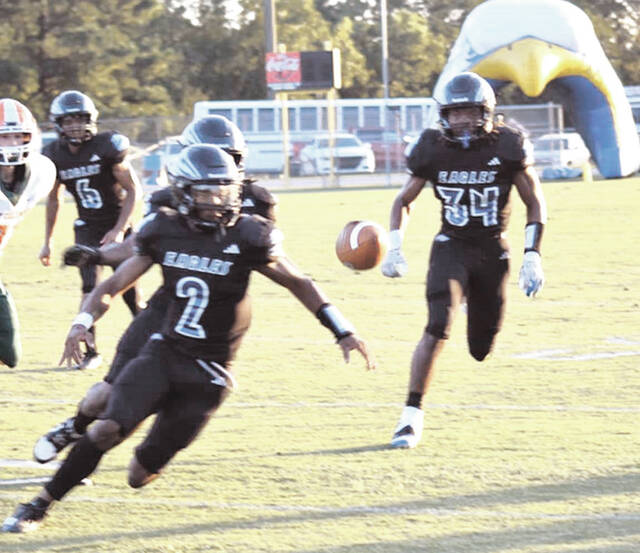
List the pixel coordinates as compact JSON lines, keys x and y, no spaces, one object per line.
{"x":350,"y":155}
{"x":560,"y":150}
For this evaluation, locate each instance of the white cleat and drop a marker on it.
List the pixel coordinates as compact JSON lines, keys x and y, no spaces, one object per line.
{"x":409,"y":429}
{"x":91,"y":360}
{"x":54,"y":441}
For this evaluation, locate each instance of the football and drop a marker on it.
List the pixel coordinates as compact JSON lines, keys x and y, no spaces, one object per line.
{"x":361,"y":245}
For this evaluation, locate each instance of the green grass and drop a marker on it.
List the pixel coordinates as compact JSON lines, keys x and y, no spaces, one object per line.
{"x":521,"y":454}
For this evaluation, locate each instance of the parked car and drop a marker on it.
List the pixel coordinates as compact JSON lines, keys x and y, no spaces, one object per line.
{"x":560,"y":150}
{"x":350,"y":155}
{"x":384,"y":143}
{"x":266,"y":154}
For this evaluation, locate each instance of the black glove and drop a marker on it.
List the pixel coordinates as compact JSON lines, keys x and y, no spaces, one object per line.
{"x":79,"y":256}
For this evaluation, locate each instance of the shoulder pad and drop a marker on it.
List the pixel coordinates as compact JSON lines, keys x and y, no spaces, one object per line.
{"x":512,"y":144}
{"x":260,"y":193}
{"x":420,"y":156}
{"x":255,"y":230}
{"x":159,"y":198}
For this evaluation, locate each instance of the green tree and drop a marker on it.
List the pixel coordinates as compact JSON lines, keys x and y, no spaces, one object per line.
{"x":102,"y":47}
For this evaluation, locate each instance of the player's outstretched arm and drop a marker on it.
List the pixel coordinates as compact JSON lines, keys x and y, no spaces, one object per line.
{"x":284,"y":272}
{"x":97,"y":303}
{"x":51,"y":216}
{"x":111,"y":254}
{"x":394,"y":264}
{"x":531,"y":278}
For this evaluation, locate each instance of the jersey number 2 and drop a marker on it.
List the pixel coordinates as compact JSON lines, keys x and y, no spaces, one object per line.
{"x":197,"y":292}
{"x":89,"y":197}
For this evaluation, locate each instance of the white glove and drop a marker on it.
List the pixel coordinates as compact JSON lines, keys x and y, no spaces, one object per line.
{"x":394,"y":264}
{"x":531,"y":278}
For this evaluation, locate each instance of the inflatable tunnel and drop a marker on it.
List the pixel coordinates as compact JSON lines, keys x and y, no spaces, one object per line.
{"x":534,"y":42}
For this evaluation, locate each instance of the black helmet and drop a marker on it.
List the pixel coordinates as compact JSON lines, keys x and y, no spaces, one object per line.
{"x":467,"y":90}
{"x":72,"y":102}
{"x":218,"y":130}
{"x":206,"y":168}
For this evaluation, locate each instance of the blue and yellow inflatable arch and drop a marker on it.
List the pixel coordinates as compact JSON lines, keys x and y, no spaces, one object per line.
{"x":534,"y":42}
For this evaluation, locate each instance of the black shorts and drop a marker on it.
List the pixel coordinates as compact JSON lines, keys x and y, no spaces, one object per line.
{"x":163,"y":381}
{"x":478,"y":271}
{"x":90,"y":234}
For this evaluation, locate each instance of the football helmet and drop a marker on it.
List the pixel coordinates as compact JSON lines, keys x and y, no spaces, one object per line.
{"x":218,"y":130}
{"x":206,"y":185}
{"x":463,"y":91}
{"x":16,"y":118}
{"x":73,"y":102}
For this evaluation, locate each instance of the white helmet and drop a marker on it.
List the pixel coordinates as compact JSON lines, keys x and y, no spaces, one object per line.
{"x":16,"y":118}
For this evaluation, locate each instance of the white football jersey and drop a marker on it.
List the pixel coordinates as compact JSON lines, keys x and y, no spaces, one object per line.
{"x":41,"y":180}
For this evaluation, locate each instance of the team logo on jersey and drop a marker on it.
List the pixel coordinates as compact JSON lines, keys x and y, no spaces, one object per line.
{"x":197,"y":263}
{"x":493,"y":161}
{"x":466,"y":177}
{"x":248,"y":202}
{"x":232,"y":248}
{"x":94,"y":157}
{"x":79,"y":172}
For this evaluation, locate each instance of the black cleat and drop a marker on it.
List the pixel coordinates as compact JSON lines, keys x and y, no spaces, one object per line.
{"x":54,"y":441}
{"x":27,"y":517}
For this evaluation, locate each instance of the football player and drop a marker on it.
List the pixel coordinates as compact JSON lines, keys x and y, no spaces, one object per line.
{"x":472,"y":164}
{"x":207,"y":251}
{"x":92,"y":166}
{"x":26,"y":177}
{"x":213,"y":129}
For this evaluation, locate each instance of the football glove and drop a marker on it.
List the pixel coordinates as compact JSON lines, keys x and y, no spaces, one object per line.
{"x":394,"y":264}
{"x":79,"y":256}
{"x":531,"y":278}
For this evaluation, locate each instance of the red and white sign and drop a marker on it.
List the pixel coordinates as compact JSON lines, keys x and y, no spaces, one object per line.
{"x":283,"y":70}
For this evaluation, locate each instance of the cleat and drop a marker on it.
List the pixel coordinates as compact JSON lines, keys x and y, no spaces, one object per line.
{"x":26,"y":518}
{"x":91,"y":360}
{"x":54,"y":441}
{"x":409,"y":429}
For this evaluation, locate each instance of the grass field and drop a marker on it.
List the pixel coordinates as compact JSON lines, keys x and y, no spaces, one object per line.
{"x":536,"y":450}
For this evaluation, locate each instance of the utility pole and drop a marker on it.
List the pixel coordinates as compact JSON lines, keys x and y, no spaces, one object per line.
{"x":270,"y":32}
{"x":385,"y":85}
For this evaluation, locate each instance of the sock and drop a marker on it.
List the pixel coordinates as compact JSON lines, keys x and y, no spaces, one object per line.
{"x":414,"y":400}
{"x":130,"y":297}
{"x":93,"y":333}
{"x":40,"y":503}
{"x":81,"y":421}
{"x":80,"y":463}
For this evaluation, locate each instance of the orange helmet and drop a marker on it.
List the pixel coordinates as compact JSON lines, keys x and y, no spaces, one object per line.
{"x":16,"y":118}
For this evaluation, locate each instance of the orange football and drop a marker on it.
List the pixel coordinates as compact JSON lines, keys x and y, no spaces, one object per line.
{"x":361,"y":245}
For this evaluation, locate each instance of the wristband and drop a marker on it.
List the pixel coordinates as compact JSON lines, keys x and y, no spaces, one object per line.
{"x":83,"y":319}
{"x":330,"y":316}
{"x":395,"y":239}
{"x":533,"y":237}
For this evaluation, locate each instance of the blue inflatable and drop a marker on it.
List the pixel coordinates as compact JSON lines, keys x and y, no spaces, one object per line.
{"x":534,"y":42}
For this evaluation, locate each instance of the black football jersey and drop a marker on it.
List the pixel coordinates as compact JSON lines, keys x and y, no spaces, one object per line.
{"x":88,"y":175}
{"x":473,"y":184}
{"x":256,"y":200}
{"x":207,"y":275}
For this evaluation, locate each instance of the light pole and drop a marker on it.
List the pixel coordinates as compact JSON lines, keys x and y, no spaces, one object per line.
{"x":385,"y":85}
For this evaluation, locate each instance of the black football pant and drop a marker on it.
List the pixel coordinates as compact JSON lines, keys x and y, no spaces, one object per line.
{"x":478,"y":271}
